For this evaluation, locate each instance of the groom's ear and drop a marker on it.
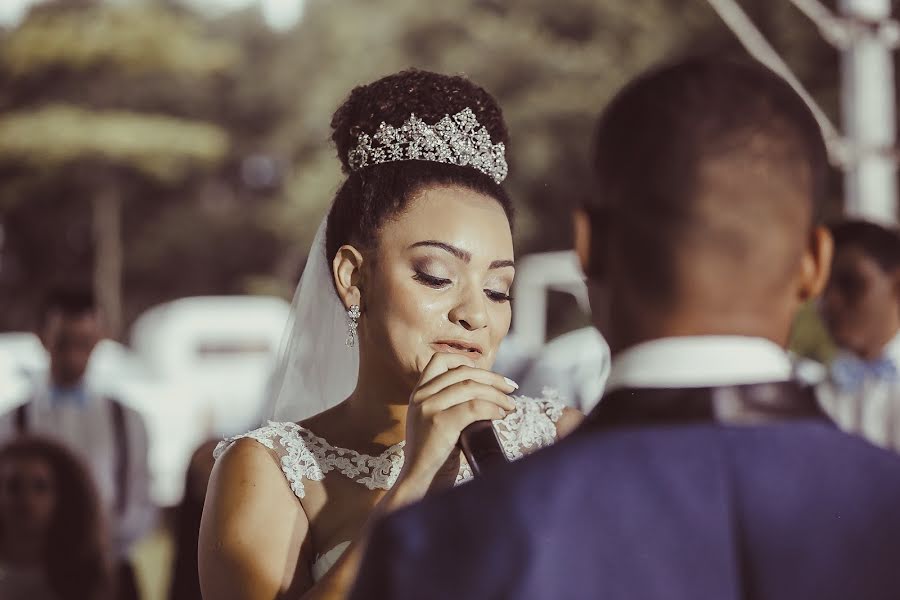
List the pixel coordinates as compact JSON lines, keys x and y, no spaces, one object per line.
{"x":347,"y":271}
{"x":590,"y":232}
{"x":581,"y":226}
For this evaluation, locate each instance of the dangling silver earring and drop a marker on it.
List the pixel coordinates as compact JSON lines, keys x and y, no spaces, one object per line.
{"x":352,"y":324}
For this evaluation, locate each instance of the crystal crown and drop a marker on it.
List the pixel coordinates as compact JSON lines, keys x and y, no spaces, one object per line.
{"x":457,"y":140}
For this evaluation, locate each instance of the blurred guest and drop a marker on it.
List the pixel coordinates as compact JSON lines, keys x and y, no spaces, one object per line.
{"x":185,"y":579}
{"x":513,"y":359}
{"x":108,"y":436}
{"x":52,"y":542}
{"x":573,"y":367}
{"x":861,"y":307}
{"x":706,"y":471}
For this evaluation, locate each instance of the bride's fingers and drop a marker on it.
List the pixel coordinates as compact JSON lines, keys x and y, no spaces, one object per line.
{"x":465,"y":391}
{"x":462,"y":373}
{"x":440,"y":363}
{"x":457,"y":417}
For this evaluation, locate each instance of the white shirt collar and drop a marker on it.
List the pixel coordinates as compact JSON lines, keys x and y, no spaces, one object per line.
{"x":699,"y":361}
{"x":892,"y":350}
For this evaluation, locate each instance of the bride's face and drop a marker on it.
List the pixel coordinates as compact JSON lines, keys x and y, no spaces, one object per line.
{"x":440,"y":282}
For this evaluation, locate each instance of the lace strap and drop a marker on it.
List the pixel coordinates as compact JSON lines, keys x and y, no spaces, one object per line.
{"x":286,"y":440}
{"x":304,"y":455}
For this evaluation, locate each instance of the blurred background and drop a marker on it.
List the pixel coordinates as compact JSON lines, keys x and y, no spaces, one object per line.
{"x":176,"y":154}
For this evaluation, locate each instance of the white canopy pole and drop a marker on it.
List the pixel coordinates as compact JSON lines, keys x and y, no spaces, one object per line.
{"x":868,"y":104}
{"x":759,"y":48}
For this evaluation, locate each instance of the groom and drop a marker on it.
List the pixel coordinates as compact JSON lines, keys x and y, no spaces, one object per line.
{"x":704,"y":472}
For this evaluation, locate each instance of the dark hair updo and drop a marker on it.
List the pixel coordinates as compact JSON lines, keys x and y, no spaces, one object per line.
{"x":373,"y":194}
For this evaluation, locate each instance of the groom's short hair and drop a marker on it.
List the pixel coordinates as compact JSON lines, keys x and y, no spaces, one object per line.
{"x":703,"y":154}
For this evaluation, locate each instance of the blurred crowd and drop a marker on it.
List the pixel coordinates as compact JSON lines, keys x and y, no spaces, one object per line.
{"x":75,"y":476}
{"x":68,"y":436}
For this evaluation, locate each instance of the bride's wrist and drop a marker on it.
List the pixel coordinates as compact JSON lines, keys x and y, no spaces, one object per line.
{"x":405,"y":491}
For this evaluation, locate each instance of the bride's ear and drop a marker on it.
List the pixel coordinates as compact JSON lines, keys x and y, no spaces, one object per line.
{"x":347,"y":271}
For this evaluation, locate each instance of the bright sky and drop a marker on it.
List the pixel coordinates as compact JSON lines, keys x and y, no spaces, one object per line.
{"x":279,"y":14}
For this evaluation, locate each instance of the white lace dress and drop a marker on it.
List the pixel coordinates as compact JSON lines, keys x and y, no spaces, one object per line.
{"x":306,"y":456}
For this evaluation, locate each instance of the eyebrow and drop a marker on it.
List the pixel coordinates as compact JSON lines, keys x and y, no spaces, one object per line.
{"x":460,"y":253}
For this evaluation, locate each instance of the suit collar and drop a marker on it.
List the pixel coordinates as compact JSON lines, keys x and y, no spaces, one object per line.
{"x":752,"y":404}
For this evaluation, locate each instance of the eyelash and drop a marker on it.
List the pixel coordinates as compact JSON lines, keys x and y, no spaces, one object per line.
{"x":498,"y":296}
{"x":438,"y":282}
{"x":430,"y":280}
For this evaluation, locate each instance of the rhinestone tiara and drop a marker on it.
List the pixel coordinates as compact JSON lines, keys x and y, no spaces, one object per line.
{"x":457,"y":140}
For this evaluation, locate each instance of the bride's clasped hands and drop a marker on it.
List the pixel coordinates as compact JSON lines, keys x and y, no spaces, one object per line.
{"x":451,"y":394}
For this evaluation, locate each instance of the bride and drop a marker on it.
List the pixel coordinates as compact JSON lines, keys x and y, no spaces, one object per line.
{"x":397,"y":321}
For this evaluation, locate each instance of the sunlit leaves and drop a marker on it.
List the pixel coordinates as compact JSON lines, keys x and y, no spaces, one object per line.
{"x":141,"y":38}
{"x":159,"y":146}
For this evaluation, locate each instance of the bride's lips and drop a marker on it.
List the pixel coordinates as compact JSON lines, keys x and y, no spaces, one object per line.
{"x":458,"y":347}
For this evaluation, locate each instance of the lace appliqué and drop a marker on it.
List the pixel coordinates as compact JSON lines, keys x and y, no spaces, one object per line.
{"x":531,"y":426}
{"x":297,"y":460}
{"x":305,"y":455}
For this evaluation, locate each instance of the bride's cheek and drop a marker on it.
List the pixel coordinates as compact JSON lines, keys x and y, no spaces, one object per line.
{"x":411,"y":330}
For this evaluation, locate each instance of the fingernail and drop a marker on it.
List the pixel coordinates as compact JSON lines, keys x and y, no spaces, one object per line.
{"x":511,"y":383}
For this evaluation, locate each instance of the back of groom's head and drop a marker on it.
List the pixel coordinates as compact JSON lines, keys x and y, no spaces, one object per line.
{"x":710,"y":179}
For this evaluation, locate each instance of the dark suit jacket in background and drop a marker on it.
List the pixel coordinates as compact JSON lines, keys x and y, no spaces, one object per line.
{"x":634,"y":506}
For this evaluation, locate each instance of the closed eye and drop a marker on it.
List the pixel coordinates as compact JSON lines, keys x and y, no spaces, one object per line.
{"x":430,"y":280}
{"x":497,"y":296}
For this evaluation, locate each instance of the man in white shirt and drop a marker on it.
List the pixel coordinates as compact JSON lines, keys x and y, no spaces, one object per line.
{"x":861,"y":308}
{"x":706,"y":471}
{"x":574,"y":366}
{"x":108,"y":436}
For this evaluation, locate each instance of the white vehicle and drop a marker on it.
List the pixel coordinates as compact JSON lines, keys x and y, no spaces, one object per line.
{"x":219,"y":349}
{"x":536,"y":276}
{"x":22,"y":359}
{"x":214,"y":355}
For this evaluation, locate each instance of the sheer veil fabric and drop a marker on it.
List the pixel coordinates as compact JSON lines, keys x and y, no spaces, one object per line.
{"x":316,"y":369}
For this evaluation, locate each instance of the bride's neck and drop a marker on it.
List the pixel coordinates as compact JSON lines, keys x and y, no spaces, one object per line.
{"x":380,"y":403}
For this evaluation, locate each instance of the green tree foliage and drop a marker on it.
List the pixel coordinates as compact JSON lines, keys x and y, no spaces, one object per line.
{"x":157,"y":146}
{"x":67,"y":130}
{"x":138,"y":39}
{"x":158,"y":71}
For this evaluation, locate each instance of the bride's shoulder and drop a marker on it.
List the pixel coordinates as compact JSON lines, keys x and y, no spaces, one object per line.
{"x":275,"y":436}
{"x":289,"y":444}
{"x":536,"y":422}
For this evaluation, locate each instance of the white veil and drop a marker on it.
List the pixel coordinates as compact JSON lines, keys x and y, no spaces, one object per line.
{"x":316,"y":369}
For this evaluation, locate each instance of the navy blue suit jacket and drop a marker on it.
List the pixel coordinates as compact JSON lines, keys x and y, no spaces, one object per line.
{"x":787,"y":509}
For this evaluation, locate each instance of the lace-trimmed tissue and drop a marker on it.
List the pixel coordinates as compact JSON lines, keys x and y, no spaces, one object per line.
{"x":306,"y":456}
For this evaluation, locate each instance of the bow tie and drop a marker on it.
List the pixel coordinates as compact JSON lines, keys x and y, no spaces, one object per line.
{"x":73,"y":395}
{"x":850,"y":374}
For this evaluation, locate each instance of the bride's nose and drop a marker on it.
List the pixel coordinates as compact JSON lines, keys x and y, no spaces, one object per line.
{"x":470,"y":311}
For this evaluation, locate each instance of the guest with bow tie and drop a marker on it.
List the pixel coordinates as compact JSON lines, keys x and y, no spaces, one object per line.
{"x":861,"y":307}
